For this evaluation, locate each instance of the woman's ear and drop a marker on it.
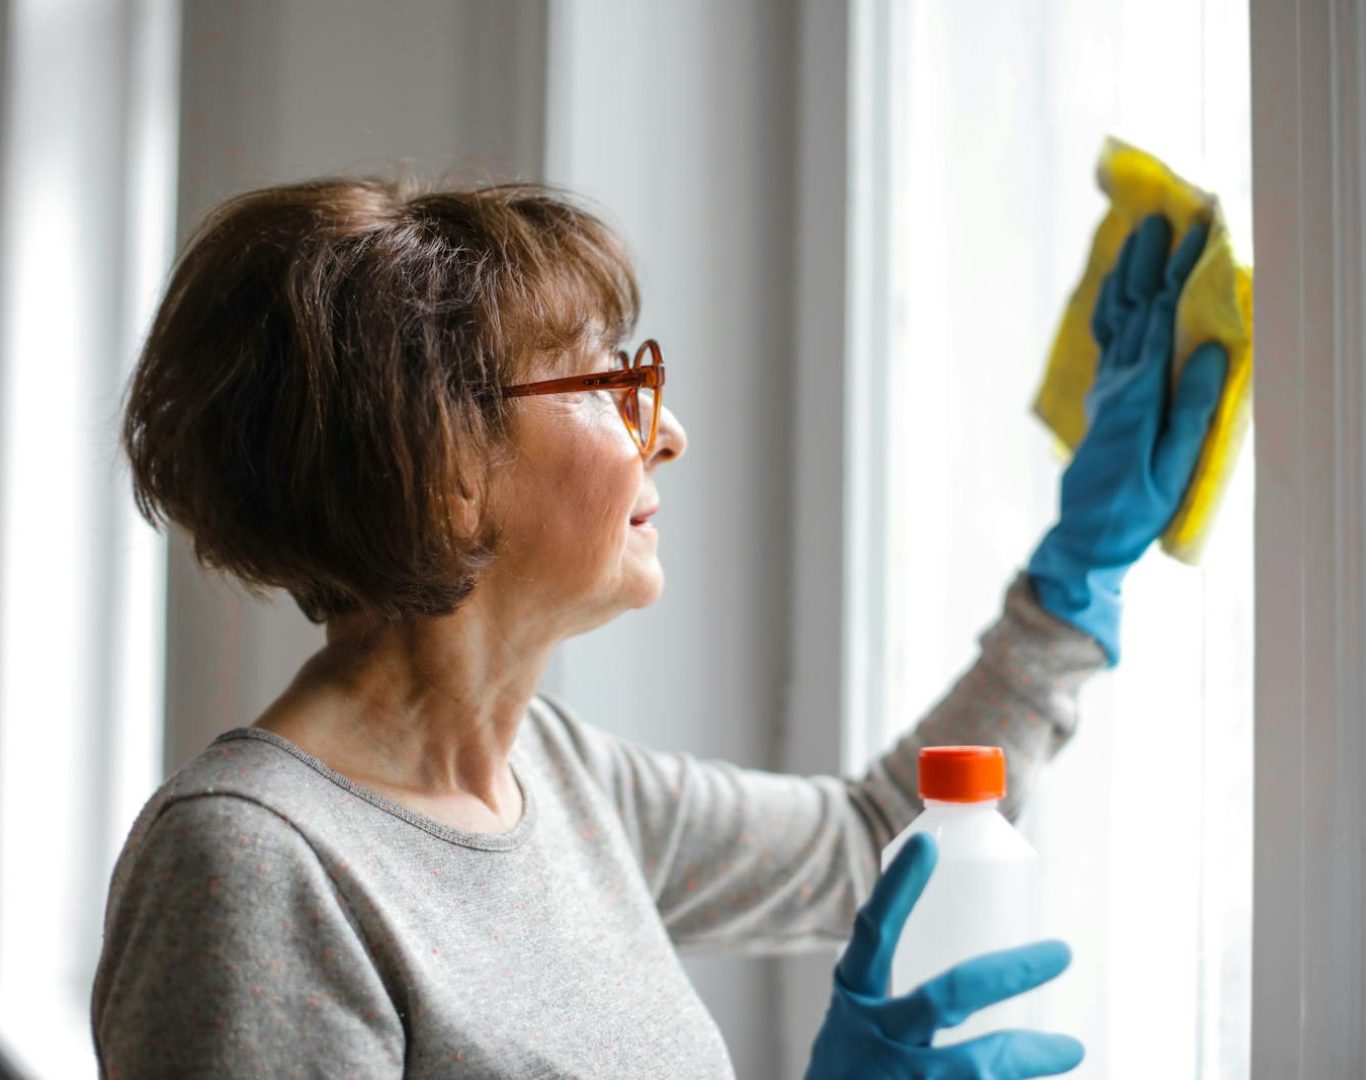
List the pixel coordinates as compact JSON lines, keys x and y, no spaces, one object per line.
{"x":467,"y":514}
{"x":477,"y":502}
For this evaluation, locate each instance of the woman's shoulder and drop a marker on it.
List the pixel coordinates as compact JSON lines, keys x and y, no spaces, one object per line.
{"x":237,"y":783}
{"x":240,"y":786}
{"x":205,"y":867}
{"x":581,"y":754}
{"x":204,"y":830}
{"x":243,"y":765}
{"x":552,"y":731}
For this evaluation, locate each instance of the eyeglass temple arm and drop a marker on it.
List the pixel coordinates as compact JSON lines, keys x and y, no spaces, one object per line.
{"x":651,"y":376}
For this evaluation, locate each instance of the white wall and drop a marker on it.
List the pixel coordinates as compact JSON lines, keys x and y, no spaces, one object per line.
{"x":678,"y":119}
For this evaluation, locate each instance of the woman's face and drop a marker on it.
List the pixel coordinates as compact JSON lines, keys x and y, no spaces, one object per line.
{"x":571,"y":555}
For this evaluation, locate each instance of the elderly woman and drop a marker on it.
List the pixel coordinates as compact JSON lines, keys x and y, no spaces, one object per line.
{"x":408,"y":409}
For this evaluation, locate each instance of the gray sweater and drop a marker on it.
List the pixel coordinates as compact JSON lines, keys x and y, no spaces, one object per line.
{"x":269,"y":918}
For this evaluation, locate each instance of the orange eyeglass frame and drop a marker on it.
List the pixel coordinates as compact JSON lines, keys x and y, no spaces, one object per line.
{"x":629,"y":379}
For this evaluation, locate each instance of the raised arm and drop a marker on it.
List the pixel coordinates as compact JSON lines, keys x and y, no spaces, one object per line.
{"x":1021,"y":694}
{"x":760,"y":862}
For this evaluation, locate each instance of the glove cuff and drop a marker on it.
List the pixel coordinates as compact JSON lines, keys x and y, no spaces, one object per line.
{"x":1086,"y":597}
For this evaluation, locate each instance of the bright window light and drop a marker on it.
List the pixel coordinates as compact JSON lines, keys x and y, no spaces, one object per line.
{"x":996,"y":118}
{"x":87,"y":224}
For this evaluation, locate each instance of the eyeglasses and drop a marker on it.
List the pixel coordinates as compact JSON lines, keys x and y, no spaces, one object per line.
{"x":636,"y":385}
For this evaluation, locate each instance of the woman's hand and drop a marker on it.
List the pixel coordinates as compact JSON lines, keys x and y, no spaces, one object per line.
{"x":1135,"y":462}
{"x":870,"y":1036}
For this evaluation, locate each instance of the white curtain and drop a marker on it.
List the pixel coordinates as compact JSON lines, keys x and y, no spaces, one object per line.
{"x":86,"y":216}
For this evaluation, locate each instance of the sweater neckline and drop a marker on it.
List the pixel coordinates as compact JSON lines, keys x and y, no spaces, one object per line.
{"x":504,"y":841}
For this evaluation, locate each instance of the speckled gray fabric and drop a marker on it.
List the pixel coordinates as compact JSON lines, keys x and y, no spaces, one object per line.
{"x":268,"y":918}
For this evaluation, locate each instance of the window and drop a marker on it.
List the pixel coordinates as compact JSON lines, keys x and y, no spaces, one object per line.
{"x":88,"y":202}
{"x":991,"y":120}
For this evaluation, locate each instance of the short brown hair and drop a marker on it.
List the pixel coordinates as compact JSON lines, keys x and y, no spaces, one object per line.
{"x":323,"y":377}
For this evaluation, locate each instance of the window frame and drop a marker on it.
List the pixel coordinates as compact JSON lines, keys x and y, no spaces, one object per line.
{"x":1309,"y":857}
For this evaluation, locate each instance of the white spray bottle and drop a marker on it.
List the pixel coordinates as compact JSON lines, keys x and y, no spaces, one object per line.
{"x":983,"y":894}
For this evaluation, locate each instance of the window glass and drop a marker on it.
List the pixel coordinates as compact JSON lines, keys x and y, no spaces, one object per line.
{"x":998,"y":114}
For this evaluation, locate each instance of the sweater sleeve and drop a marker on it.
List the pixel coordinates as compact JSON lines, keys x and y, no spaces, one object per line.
{"x":1020,"y":694}
{"x":228,"y":952}
{"x":745,"y":860}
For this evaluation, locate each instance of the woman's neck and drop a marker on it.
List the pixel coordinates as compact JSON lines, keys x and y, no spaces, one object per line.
{"x":430,"y":706}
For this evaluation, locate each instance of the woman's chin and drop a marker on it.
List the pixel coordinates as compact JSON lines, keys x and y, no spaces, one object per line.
{"x":650,"y":589}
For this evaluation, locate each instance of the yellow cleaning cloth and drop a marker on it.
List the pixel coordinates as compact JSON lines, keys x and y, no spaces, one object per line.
{"x":1216,"y":305}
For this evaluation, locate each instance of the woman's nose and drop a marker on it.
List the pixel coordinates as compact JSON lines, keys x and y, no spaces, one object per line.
{"x":671,"y":440}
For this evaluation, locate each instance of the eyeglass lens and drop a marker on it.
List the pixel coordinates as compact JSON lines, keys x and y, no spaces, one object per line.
{"x":639,"y":404}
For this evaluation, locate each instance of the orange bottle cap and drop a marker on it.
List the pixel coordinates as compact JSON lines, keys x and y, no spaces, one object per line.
{"x":962,"y":773}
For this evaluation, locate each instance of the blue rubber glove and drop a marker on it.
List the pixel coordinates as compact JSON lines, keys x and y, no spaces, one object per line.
{"x":869,"y":1036}
{"x":1135,"y":462}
